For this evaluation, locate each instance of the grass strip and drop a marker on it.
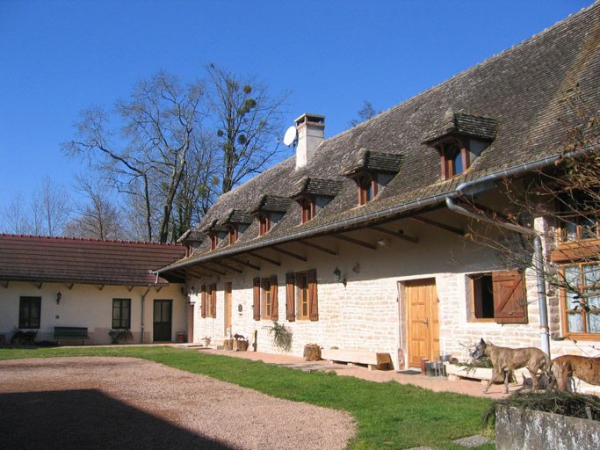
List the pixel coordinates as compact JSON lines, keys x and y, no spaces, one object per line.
{"x":388,"y":415}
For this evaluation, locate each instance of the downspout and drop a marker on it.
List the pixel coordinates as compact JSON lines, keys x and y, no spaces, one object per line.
{"x":143,"y":310}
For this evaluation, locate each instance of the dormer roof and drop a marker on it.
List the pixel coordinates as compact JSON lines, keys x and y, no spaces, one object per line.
{"x":235,"y":217}
{"x":372,"y":161}
{"x":459,"y":123}
{"x":316,"y":187}
{"x":270,"y":203}
{"x":191,"y":236}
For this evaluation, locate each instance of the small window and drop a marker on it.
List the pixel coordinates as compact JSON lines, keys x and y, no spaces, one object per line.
{"x":498,"y":296}
{"x":233,"y":234}
{"x":455,"y":160}
{"x":264,"y":224}
{"x":214,"y":241}
{"x":367,"y":189}
{"x":30,"y":312}
{"x":308,"y":209}
{"x":579,"y":218}
{"x":212,"y":300}
{"x":267,"y":298}
{"x":121,"y":313}
{"x":483,"y":296}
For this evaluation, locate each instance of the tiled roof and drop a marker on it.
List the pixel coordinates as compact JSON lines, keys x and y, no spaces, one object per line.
{"x":518,"y":97}
{"x":87,"y":261}
{"x":270,"y":203}
{"x":191,"y":236}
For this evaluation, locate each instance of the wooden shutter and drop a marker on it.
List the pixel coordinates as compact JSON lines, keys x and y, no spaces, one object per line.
{"x":312,"y":295}
{"x":510,"y":298}
{"x":290,"y":306}
{"x":256,"y":292}
{"x":213,"y":300}
{"x":203,"y":304}
{"x":274,"y":302}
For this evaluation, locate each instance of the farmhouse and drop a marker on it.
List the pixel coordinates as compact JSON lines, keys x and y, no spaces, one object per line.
{"x":84,"y":288}
{"x":364,"y":241}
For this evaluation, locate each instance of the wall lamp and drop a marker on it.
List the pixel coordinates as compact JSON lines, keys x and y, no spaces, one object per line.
{"x":58,"y":297}
{"x":337,"y":276}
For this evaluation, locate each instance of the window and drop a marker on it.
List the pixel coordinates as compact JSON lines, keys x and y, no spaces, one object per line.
{"x":307,"y":307}
{"x":482,"y":290}
{"x":214,"y":241}
{"x":498,"y":296}
{"x":367,"y":189}
{"x":265,"y":302}
{"x":121,"y":313}
{"x":212,"y":300}
{"x":264,"y":224}
{"x":581,"y":299}
{"x":308,"y":209}
{"x":455,"y":159}
{"x":233,"y":234}
{"x":29,"y":312}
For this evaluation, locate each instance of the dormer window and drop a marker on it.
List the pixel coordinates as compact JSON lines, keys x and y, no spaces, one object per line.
{"x":264,"y":224}
{"x":269,"y":210}
{"x":214,"y":241}
{"x":460,"y":138}
{"x":309,"y":209}
{"x":372,"y":171}
{"x":233,"y":234}
{"x":455,"y":159}
{"x":313,"y":194}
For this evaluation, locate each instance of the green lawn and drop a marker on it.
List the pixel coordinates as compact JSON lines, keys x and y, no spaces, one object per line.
{"x":388,"y":415}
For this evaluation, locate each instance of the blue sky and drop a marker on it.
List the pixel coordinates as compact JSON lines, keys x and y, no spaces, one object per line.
{"x":59,"y":57}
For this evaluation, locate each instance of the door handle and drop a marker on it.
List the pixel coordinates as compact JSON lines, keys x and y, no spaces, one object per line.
{"x":426,"y":322}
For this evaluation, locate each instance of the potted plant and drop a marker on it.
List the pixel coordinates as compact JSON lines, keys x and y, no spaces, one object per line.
{"x":205,"y":341}
{"x":282,"y":336}
{"x":120,"y":336}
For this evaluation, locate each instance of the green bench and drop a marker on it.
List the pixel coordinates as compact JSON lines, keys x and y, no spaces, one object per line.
{"x":71,"y":333}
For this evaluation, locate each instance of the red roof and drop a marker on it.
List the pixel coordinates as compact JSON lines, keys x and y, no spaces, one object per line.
{"x":88,"y":261}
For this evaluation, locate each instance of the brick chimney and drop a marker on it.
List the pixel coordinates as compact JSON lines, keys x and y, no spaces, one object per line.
{"x":311,"y":132}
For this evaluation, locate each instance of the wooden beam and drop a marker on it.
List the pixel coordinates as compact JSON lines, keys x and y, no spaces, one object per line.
{"x":234,"y":269}
{"x":210,"y":269}
{"x":245,"y":263}
{"x":441,"y":225}
{"x":70,"y":286}
{"x":40,"y":284}
{"x":397,"y":234}
{"x":158,"y":288}
{"x":5,"y":284}
{"x":288,"y":253}
{"x":264,"y":258}
{"x":130,"y":288}
{"x":100,"y":287}
{"x":198,"y":273}
{"x":318,"y":247}
{"x":355,"y":241}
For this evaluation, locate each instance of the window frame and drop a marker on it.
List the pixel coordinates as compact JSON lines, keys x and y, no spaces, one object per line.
{"x":300,"y":297}
{"x":472,"y":313}
{"x":211,"y":309}
{"x":368,"y":188}
{"x":121,"y":302}
{"x":264,"y":223}
{"x":32,"y":301}
{"x":308,"y":207}
{"x":449,"y":151}
{"x":583,"y":335}
{"x":266,"y":298}
{"x":233,"y":234}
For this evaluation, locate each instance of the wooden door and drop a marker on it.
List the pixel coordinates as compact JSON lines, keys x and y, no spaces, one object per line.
{"x":423,"y":322}
{"x":162,"y":320}
{"x":227,"y":313}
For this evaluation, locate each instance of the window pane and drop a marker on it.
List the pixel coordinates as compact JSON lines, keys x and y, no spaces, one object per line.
{"x":591,"y":275}
{"x":572,"y":276}
{"x":457,"y":164}
{"x":593,"y":322}
{"x":570,"y":231}
{"x":573,"y":300}
{"x":593,"y":302}
{"x":588,"y":227}
{"x":575,"y":323}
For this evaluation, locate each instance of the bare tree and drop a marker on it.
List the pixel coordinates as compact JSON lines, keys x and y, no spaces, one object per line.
{"x":98,"y":218}
{"x":147,"y":156}
{"x":365,"y":113}
{"x":248,"y":121}
{"x":44,"y":214}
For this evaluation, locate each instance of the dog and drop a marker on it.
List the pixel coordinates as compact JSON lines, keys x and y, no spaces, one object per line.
{"x":506,"y":360}
{"x":564,"y":368}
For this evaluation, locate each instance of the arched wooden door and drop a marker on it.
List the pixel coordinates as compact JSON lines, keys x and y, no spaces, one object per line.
{"x":422,"y":320}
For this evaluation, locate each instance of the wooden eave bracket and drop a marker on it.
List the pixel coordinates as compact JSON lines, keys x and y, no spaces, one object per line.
{"x":158,"y":288}
{"x":437,"y":224}
{"x":210,"y":269}
{"x":100,"y":287}
{"x":5,"y":284}
{"x":228,"y":267}
{"x":288,"y":253}
{"x":70,"y":286}
{"x":355,"y":241}
{"x":264,"y":258}
{"x":246,"y":263}
{"x":40,"y":284}
{"x":129,"y":288}
{"x":319,"y":247}
{"x":397,"y":234}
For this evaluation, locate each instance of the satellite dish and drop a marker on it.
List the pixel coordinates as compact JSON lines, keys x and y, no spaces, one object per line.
{"x":290,"y":136}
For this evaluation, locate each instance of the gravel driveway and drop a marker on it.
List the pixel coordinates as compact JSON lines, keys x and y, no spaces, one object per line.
{"x":127,"y":403}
